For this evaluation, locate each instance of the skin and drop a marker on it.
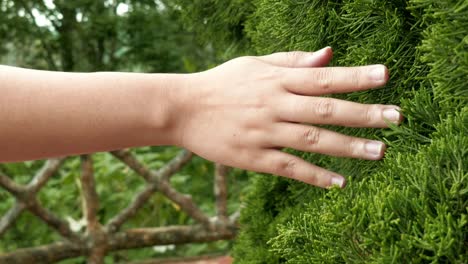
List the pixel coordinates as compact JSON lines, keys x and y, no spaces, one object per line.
{"x":241,"y":113}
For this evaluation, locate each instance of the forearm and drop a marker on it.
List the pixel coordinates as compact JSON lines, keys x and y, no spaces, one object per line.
{"x":48,"y":114}
{"x":240,"y":114}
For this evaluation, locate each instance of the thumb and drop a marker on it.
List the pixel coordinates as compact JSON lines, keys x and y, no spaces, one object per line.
{"x":299,"y":59}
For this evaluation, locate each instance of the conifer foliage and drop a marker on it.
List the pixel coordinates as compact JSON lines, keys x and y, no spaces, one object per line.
{"x":412,"y":207}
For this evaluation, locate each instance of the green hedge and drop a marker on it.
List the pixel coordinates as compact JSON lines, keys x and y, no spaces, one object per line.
{"x":409,"y":208}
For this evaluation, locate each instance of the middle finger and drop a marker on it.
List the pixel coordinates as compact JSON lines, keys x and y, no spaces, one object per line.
{"x":329,"y":80}
{"x":330,"y":111}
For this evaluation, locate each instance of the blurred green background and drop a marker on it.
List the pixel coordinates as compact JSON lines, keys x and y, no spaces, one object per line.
{"x":133,"y":36}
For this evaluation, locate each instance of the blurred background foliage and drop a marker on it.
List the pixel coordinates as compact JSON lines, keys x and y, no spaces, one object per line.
{"x":111,"y":35}
{"x":89,"y":35}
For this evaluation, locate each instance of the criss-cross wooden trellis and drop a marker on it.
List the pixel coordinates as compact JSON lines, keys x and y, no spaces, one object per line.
{"x":100,"y":239}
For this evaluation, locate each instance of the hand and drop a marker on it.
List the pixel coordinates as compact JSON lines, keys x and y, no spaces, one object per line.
{"x":243,"y":112}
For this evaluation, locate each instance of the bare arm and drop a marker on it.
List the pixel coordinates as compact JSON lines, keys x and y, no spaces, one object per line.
{"x":240,"y":113}
{"x":46,"y":114}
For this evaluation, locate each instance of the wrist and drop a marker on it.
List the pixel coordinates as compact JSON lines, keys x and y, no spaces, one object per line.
{"x":169,"y":98}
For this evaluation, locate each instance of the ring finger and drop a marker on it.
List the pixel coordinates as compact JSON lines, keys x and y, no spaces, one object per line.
{"x":323,"y":141}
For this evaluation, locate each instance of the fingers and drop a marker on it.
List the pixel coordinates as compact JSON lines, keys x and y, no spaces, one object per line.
{"x":323,"y":141}
{"x":329,"y":111}
{"x":287,"y":165}
{"x":298,"y":59}
{"x":319,"y":81}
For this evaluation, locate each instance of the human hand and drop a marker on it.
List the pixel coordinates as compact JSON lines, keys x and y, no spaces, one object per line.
{"x":244,"y":111}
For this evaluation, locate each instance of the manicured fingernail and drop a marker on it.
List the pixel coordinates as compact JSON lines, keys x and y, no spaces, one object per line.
{"x":312,"y":58}
{"x":377,"y":73}
{"x":338,"y":181}
{"x":321,"y":51}
{"x":375,"y":149}
{"x":315,"y":57}
{"x":392,"y":115}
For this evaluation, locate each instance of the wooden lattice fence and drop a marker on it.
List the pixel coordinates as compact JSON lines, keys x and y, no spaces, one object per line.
{"x":103,"y":238}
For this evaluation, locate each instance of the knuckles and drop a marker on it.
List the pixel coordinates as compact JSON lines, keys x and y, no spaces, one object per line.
{"x":323,"y":79}
{"x":293,"y":58}
{"x":356,"y":78}
{"x":324,"y":84}
{"x":287,"y":168}
{"x":354,"y":148}
{"x":311,"y":136}
{"x":259,"y":72}
{"x":325,"y":108}
{"x":369,"y":113}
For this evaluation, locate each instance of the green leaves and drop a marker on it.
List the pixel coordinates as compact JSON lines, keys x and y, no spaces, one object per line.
{"x":91,"y":36}
{"x":410,"y":208}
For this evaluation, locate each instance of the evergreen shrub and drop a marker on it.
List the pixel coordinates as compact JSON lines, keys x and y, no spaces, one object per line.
{"x":409,"y":208}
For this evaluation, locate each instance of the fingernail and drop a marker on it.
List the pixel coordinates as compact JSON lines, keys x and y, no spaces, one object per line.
{"x":320,"y":52}
{"x":314,"y":57}
{"x":392,"y":115}
{"x":377,"y":73}
{"x":338,"y":181}
{"x":375,"y":149}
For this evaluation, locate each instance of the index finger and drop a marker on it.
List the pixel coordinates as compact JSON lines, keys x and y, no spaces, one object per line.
{"x":320,"y":81}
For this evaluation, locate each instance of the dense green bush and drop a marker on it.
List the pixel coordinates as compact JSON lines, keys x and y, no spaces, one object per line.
{"x":412,"y":206}
{"x":219,"y":24}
